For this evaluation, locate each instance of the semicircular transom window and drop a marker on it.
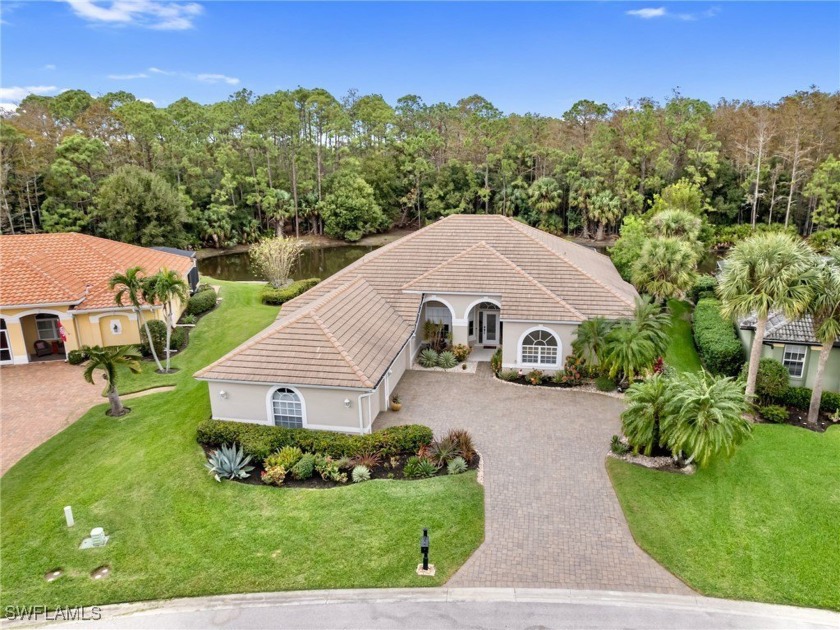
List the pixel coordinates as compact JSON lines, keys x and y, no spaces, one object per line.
{"x":287,"y":409}
{"x":539,"y":348}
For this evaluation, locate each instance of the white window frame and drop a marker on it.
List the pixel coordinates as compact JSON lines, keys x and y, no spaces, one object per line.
{"x":541,"y":349}
{"x":271,"y":409}
{"x":799,"y":354}
{"x":53,"y":323}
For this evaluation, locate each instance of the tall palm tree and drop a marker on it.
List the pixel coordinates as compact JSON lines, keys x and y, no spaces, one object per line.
{"x":591,"y":339}
{"x":665,"y":268}
{"x":108,"y":360}
{"x":704,"y":416}
{"x":130,"y":285}
{"x":544,"y":195}
{"x":652,"y":323}
{"x":763,"y":274}
{"x":164,"y":287}
{"x":825,"y":311}
{"x":642,"y":418}
{"x":628,"y":353}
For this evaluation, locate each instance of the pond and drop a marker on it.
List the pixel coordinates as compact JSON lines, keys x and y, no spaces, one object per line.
{"x":315,"y":262}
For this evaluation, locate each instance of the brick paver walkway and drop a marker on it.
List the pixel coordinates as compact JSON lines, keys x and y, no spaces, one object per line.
{"x":552,"y":517}
{"x":37,"y":401}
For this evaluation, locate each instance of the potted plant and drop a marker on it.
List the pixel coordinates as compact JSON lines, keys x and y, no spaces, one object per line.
{"x":396,"y":405}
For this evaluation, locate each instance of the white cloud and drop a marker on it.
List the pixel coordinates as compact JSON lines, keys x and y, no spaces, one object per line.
{"x":216,"y":78}
{"x":647,"y":14}
{"x":147,"y":100}
{"x":17,"y":94}
{"x":128,"y":77}
{"x":154,"y":14}
{"x":49,"y":66}
{"x":8,"y":108}
{"x":168,"y":73}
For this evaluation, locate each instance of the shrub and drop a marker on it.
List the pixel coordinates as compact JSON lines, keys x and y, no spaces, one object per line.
{"x":360,"y":474}
{"x":444,"y":450}
{"x":274,"y":475}
{"x":178,"y":339}
{"x":158,"y":330}
{"x":772,"y":379}
{"x":463,"y":440}
{"x":800,"y":398}
{"x":305,"y":467}
{"x":447,"y":360}
{"x":618,"y":447}
{"x":535,"y":377}
{"x":572,"y":373}
{"x":496,"y":361}
{"x":428,"y":358}
{"x":286,"y":457}
{"x":703,"y":287}
{"x":419,"y":468}
{"x":229,"y":462}
{"x":461,"y":352}
{"x":204,"y":287}
{"x":508,"y":375}
{"x":774,"y":413}
{"x":328,"y":468}
{"x":201,"y":302}
{"x":824,"y":240}
{"x":716,"y":339}
{"x":259,"y":441}
{"x":189,"y":319}
{"x":368,"y":460}
{"x":605,"y":384}
{"x":456,"y":466}
{"x":278,"y":297}
{"x":76,"y":357}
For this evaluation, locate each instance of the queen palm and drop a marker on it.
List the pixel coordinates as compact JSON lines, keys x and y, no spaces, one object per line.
{"x":109,"y":360}
{"x":591,"y":339}
{"x":763,"y":274}
{"x":704,"y":416}
{"x":164,"y":287}
{"x":825,"y":312}
{"x":130,"y":285}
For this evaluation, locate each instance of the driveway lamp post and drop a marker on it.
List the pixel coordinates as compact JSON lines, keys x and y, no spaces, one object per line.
{"x":424,"y":548}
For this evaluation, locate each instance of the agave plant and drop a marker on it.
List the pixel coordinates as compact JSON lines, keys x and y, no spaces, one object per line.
{"x":457,"y":466}
{"x":447,"y":360}
{"x":444,"y":450}
{"x":360,"y":474}
{"x":428,"y":358}
{"x":229,"y":462}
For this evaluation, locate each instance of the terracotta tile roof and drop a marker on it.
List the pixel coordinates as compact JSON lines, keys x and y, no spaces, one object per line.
{"x":347,"y":330}
{"x":71,"y":267}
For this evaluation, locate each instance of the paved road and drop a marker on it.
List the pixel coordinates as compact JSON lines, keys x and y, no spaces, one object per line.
{"x":442,"y":609}
{"x":552,"y":518}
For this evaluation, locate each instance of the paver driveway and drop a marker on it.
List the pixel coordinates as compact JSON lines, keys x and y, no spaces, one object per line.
{"x":37,"y":401}
{"x":552,"y":517}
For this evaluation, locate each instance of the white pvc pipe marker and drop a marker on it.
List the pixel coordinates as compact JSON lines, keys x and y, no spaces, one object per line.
{"x":68,"y":515}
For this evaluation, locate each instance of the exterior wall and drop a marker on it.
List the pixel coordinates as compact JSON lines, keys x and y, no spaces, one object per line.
{"x":460,"y":306}
{"x":323,"y":408}
{"x":831,"y":378}
{"x":513,"y":332}
{"x":22,"y":331}
{"x":389,"y":382}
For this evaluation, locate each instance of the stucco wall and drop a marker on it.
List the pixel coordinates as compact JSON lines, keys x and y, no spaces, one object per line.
{"x":831,"y":378}
{"x":513,"y":332}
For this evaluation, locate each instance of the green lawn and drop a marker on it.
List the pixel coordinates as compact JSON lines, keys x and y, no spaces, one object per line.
{"x":177,"y":532}
{"x":762,"y":526}
{"x":681,"y":353}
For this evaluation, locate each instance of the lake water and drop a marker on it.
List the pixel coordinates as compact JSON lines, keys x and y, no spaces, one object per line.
{"x":315,"y":262}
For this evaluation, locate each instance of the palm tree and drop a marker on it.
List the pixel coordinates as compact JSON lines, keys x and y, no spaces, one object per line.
{"x":676,"y":224}
{"x":130,"y":286}
{"x":591,"y":339}
{"x":544,"y":195}
{"x":763,"y":274}
{"x":665,"y":268}
{"x":108,"y":360}
{"x":278,"y":207}
{"x":825,"y":312}
{"x":652,"y":323}
{"x":704,"y":416}
{"x":642,"y":418}
{"x":164,"y":287}
{"x":628,"y":353}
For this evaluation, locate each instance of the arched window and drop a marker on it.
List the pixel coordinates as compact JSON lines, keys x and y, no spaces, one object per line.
{"x":287,"y":408}
{"x":539,"y":348}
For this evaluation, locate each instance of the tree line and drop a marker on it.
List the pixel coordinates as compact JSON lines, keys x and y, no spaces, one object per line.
{"x":305,"y":162}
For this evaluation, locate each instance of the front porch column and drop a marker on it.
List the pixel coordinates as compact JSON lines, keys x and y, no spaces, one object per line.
{"x":459,"y":332}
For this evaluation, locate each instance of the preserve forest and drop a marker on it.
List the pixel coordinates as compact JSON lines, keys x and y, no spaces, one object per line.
{"x":305,"y":162}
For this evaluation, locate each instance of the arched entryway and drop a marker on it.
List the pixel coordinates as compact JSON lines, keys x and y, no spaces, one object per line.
{"x":42,"y":334}
{"x":484,"y":325}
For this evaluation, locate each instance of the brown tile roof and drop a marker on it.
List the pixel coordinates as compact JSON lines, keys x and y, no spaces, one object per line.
{"x":371,"y":306}
{"x":61,"y":268}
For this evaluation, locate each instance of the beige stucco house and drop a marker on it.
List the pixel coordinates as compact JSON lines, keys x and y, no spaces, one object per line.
{"x":335,"y":354}
{"x":54,"y":294}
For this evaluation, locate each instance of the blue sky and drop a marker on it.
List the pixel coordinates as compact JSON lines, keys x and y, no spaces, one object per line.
{"x":537,"y":57}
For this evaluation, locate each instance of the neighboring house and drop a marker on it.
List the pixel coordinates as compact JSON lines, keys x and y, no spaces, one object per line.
{"x":335,"y":354}
{"x":793,"y":343}
{"x":54,"y":294}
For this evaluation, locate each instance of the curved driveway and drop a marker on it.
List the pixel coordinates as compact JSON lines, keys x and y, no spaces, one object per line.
{"x":552,"y":519}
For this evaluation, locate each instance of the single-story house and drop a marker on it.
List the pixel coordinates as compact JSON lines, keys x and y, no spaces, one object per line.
{"x":335,"y":354}
{"x":793,"y":343}
{"x":54,"y":294}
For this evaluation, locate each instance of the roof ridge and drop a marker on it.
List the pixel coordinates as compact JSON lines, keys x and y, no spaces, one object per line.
{"x":444,"y":263}
{"x":344,"y":354}
{"x":519,"y":227}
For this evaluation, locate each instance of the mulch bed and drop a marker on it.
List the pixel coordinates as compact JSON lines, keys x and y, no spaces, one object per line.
{"x":799,"y":418}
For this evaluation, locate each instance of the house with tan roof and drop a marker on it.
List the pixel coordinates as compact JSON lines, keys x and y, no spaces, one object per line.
{"x":54,"y":294}
{"x":335,"y":354}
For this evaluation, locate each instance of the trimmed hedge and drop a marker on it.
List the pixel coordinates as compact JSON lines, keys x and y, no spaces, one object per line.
{"x":259,"y":440}
{"x":201,"y":302}
{"x":716,"y":340}
{"x":703,"y":287}
{"x":277,"y":297}
{"x":800,"y":398}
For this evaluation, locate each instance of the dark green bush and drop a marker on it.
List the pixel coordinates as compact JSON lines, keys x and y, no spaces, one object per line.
{"x":772,"y":379}
{"x":158,"y":330}
{"x":605,"y":384}
{"x":201,"y":302}
{"x":704,"y":287}
{"x":774,"y":413}
{"x":824,"y":240}
{"x":305,"y":467}
{"x":716,"y":340}
{"x":800,"y":397}
{"x":178,"y":339}
{"x":76,"y":357}
{"x":259,"y":440}
{"x":276,"y":297}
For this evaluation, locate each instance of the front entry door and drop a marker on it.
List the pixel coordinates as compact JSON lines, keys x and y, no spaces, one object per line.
{"x":491,"y":328}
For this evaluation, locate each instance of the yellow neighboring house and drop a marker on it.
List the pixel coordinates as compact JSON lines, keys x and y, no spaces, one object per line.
{"x":54,"y":294}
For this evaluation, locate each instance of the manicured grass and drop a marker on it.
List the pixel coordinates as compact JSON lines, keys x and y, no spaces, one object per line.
{"x":762,"y":526}
{"x":681,"y":352}
{"x":177,"y":532}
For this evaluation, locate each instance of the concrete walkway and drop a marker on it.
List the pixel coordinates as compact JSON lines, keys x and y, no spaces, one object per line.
{"x":443,"y":609}
{"x":552,"y":517}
